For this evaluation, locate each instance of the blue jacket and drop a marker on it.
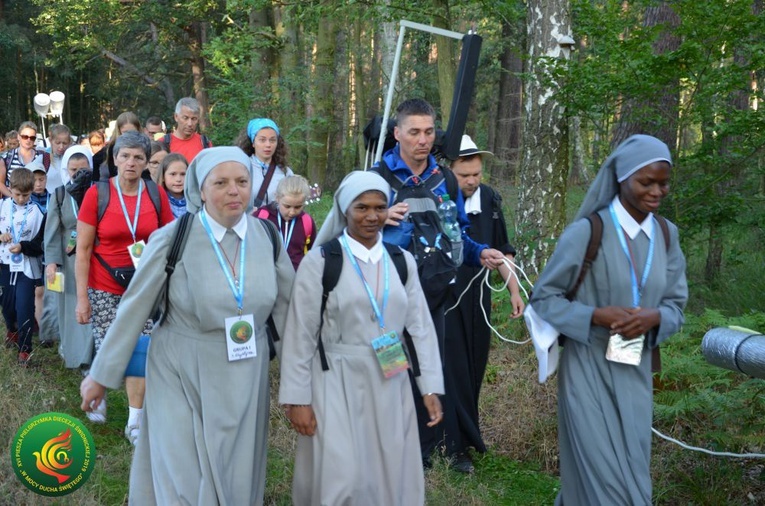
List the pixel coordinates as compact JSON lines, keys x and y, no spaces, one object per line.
{"x":471,"y":250}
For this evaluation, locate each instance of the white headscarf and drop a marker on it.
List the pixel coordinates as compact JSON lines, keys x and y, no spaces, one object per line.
{"x":203,"y":164}
{"x":353,"y":185}
{"x":630,"y":156}
{"x":68,"y":154}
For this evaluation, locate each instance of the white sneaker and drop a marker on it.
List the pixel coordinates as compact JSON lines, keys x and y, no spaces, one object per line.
{"x":131,"y":433}
{"x":98,"y":415}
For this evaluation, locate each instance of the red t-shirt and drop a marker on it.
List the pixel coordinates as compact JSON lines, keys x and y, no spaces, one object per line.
{"x":113,"y":235}
{"x":187,"y":147}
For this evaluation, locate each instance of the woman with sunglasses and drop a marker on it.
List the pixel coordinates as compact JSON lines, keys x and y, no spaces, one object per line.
{"x":21,"y":156}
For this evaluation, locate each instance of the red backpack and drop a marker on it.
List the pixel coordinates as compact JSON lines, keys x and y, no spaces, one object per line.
{"x":307,"y":224}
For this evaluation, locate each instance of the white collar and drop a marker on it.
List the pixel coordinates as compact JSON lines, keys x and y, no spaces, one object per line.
{"x":219,"y":230}
{"x":361,"y":252}
{"x":473,"y":202}
{"x":629,"y":224}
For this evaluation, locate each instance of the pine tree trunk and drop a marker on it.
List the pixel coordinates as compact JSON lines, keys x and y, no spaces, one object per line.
{"x":447,"y":71}
{"x":506,"y":141}
{"x":322,"y":100}
{"x":197,"y":39}
{"x":656,"y":115}
{"x":544,"y":169}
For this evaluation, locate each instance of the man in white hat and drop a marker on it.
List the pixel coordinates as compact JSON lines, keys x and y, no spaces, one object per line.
{"x":467,"y":334}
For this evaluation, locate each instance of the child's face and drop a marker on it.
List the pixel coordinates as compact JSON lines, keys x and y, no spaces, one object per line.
{"x":40,"y":180}
{"x":75,"y":166}
{"x":20,"y":198}
{"x":290,"y":205}
{"x":155,"y":161}
{"x":175,"y":176}
{"x":60,"y":143}
{"x":11,"y":143}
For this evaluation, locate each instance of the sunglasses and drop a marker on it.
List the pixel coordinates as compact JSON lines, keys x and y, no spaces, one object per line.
{"x":28,"y":137}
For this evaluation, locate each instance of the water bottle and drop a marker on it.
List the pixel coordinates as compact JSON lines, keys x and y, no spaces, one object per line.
{"x":447,"y":210}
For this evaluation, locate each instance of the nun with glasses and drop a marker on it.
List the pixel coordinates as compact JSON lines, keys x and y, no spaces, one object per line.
{"x":358,"y":441}
{"x":630,"y":301}
{"x":205,"y":421}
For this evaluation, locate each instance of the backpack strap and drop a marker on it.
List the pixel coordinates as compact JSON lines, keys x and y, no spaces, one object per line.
{"x":307,"y":226}
{"x":205,"y":142}
{"x":45,"y":160}
{"x":452,"y":185}
{"x":262,"y":213}
{"x":596,"y":225}
{"x":333,"y":265}
{"x":104,"y":195}
{"x":153,"y":190}
{"x":271,"y":332}
{"x":173,"y":255}
{"x":261,"y":195}
{"x":395,"y":183}
{"x":60,"y":193}
{"x":664,"y":229}
{"x":166,"y":141}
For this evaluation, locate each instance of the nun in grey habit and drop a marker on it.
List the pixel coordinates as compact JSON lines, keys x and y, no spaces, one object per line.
{"x":637,"y":289}
{"x":76,"y":346}
{"x":205,"y":419}
{"x":359,"y":443}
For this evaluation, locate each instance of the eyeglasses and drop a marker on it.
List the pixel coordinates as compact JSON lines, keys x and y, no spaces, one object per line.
{"x":28,"y":137}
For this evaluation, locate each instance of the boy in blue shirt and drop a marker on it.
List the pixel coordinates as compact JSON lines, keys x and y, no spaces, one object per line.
{"x":22,"y":226}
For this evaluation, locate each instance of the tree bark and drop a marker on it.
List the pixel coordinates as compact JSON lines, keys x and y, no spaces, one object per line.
{"x":197,"y":39}
{"x":505,"y":143}
{"x":656,"y":115}
{"x":321,"y":102}
{"x":447,"y":71}
{"x":544,"y":170}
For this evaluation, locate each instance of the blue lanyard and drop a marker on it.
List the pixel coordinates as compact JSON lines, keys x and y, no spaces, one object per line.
{"x":237,"y":286}
{"x":289,"y":229}
{"x":17,"y":237}
{"x":75,"y":209}
{"x":131,"y":226}
{"x":372,"y":300}
{"x":637,"y":289}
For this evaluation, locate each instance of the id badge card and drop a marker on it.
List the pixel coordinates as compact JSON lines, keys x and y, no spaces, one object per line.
{"x":240,"y":337}
{"x":390,"y":354}
{"x":72,"y":243}
{"x":17,"y":262}
{"x":136,"y":250}
{"x":625,"y":351}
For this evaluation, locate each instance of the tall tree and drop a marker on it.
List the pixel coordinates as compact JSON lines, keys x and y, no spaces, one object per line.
{"x":322,"y":98}
{"x":655,"y":111}
{"x":445,"y":47}
{"x":544,"y":170}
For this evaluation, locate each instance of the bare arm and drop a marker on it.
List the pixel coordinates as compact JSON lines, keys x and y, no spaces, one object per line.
{"x":508,"y":273}
{"x":3,"y":173}
{"x":86,"y":237}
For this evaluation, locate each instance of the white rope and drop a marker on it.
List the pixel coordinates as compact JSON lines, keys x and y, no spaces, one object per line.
{"x":486,"y":281}
{"x":709,"y":452}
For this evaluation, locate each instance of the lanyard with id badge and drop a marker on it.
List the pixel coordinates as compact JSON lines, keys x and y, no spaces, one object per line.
{"x":387,"y":347}
{"x":630,"y":351}
{"x":240,"y":329}
{"x":135,"y":250}
{"x":17,"y":259}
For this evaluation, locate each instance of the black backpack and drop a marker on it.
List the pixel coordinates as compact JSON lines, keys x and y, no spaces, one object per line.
{"x":429,"y":244}
{"x":176,"y":251}
{"x":333,"y":266}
